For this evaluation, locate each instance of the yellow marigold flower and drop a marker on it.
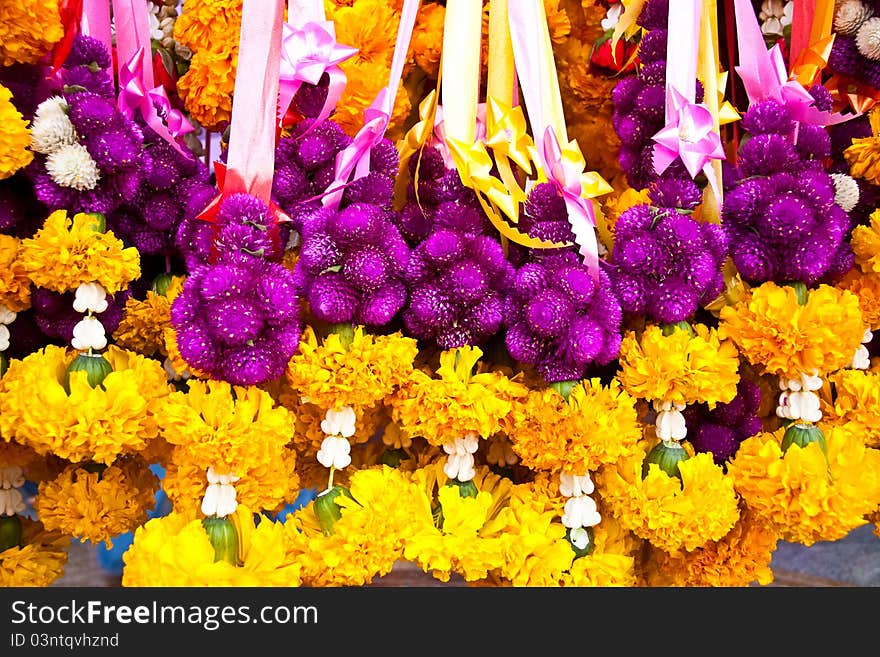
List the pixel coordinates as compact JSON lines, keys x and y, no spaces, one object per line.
{"x":39,"y":561}
{"x":175,"y":551}
{"x":804,"y":495}
{"x":209,"y":25}
{"x":229,"y":428}
{"x":669,"y":513}
{"x":458,"y":544}
{"x":206,"y":87}
{"x":15,"y":136}
{"x":863,"y":157}
{"x":28,"y":30}
{"x":772,"y":330}
{"x":866,"y":286}
{"x":143,"y":323}
{"x":370,"y":26}
{"x":853,"y":399}
{"x":368,"y":537}
{"x":267,"y":486}
{"x":596,"y":425}
{"x":15,"y":286}
{"x":97,"y":506}
{"x":332,"y":373}
{"x":427,"y":37}
{"x":538,"y":554}
{"x":88,"y":423}
{"x":458,"y":401}
{"x":739,"y":559}
{"x":67,"y":252}
{"x":679,"y":368}
{"x":866,"y":244}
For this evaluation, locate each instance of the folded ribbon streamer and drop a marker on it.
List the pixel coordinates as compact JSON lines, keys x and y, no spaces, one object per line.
{"x":764,"y":74}
{"x":307,"y":53}
{"x":71,"y":13}
{"x":250,"y":163}
{"x":138,"y":93}
{"x":564,"y":167}
{"x":690,"y":132}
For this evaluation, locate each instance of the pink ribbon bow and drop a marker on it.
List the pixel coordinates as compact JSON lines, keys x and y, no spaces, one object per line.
{"x":152,"y":104}
{"x":765,"y":77}
{"x":567,"y":175}
{"x":307,"y":53}
{"x":690,"y":135}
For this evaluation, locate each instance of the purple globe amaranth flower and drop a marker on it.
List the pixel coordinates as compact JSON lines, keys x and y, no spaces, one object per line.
{"x":665,"y":263}
{"x":26,"y":337}
{"x":654,"y":15}
{"x":672,"y":192}
{"x":720,"y":430}
{"x":238,"y":322}
{"x":456,"y":283}
{"x":352,"y":263}
{"x":845,"y":57}
{"x":559,"y":319}
{"x":21,"y":214}
{"x":545,"y":215}
{"x":652,"y":46}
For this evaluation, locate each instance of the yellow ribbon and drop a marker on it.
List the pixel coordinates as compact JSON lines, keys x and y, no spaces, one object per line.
{"x":626,"y":24}
{"x":708,"y":63}
{"x":810,"y":62}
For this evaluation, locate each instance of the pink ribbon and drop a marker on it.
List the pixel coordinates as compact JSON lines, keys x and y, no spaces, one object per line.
{"x":354,"y":160}
{"x":153,"y":104}
{"x":250,"y":163}
{"x":96,"y":24}
{"x":438,"y":136}
{"x":137,"y":91}
{"x":307,"y":53}
{"x":689,"y":134}
{"x":564,"y":173}
{"x":567,"y":176}
{"x":764,"y":74}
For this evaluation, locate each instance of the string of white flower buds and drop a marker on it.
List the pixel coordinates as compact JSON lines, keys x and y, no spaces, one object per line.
{"x":6,"y":318}
{"x":335,"y":452}
{"x":89,"y":333}
{"x":220,"y":497}
{"x":798,"y":400}
{"x":11,"y":500}
{"x":460,"y":462}
{"x":580,"y":511}
{"x":862,"y":359}
{"x":670,"y":423}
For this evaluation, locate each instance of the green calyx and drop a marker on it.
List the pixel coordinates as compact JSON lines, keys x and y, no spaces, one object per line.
{"x":666,"y":455}
{"x":161,"y":284}
{"x":465,"y":488}
{"x":581,"y":541}
{"x":564,"y":388}
{"x":10,"y":532}
{"x":224,"y":538}
{"x":95,"y":366}
{"x":801,"y":291}
{"x":327,"y":510}
{"x":4,"y":364}
{"x":669,"y":329}
{"x":393,"y":457}
{"x":99,"y":221}
{"x":802,"y":435}
{"x":345,"y":333}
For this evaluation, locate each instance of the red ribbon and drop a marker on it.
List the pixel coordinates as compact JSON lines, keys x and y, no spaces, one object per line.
{"x":71,"y":17}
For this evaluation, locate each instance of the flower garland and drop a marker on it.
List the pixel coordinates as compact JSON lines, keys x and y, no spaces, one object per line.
{"x":808,"y":494}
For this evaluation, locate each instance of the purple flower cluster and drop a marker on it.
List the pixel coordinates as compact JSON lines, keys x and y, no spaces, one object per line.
{"x":174,"y":189}
{"x":238,"y":316}
{"x":559,"y":318}
{"x":781,"y":219}
{"x":88,"y":66}
{"x":457,"y":275}
{"x":846,"y":60}
{"x":720,"y":431}
{"x":352,"y":263}
{"x":305,"y":166}
{"x":114,"y":142}
{"x":665,"y":264}
{"x":21,"y":214}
